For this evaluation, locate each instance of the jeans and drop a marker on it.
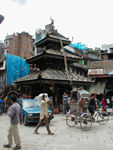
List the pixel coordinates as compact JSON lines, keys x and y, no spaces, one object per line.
{"x":65,"y":108}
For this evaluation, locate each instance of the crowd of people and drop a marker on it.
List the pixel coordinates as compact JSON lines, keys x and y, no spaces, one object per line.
{"x":14,"y":112}
{"x":93,"y":103}
{"x":3,"y":105}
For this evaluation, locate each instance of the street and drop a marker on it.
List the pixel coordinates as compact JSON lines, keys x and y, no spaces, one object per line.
{"x":100,"y":137}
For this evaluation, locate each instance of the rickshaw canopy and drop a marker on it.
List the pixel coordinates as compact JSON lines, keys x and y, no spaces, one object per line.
{"x":83,"y":95}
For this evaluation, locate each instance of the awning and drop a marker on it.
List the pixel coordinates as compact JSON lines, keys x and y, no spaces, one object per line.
{"x":98,"y":88}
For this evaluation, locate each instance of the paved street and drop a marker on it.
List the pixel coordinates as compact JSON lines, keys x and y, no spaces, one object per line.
{"x":100,"y":137}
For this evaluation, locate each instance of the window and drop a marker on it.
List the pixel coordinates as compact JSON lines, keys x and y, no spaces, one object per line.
{"x":6,"y":51}
{"x":85,"y":62}
{"x":70,"y":69}
{"x":111,"y":50}
{"x":80,"y":62}
{"x":73,"y":70}
{"x":77,"y":71}
{"x":6,"y":43}
{"x":81,"y":73}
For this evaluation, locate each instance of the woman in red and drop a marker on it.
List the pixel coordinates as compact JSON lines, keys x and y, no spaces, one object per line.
{"x":104,"y":104}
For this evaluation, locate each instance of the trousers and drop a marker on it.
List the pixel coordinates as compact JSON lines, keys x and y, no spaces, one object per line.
{"x":14,"y":132}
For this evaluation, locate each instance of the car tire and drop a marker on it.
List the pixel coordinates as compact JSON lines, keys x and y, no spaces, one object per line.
{"x":25,"y":121}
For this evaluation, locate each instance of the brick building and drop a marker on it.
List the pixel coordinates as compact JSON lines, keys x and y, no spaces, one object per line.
{"x":19,"y":44}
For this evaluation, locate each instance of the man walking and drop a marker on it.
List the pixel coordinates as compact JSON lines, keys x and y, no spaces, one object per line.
{"x":14,"y":112}
{"x":92,"y":104}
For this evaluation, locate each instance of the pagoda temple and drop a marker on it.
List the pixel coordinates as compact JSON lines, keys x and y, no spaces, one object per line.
{"x":52,"y":69}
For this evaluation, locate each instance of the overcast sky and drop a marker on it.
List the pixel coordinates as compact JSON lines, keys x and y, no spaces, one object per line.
{"x":87,"y":21}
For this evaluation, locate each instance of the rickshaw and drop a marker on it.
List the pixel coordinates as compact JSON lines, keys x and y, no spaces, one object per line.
{"x":78,"y":113}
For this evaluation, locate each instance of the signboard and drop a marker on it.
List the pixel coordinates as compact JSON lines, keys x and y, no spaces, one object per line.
{"x":95,"y":72}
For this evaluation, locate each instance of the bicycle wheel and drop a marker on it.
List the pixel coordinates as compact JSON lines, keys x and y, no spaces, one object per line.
{"x":70,"y":120}
{"x":86,"y":122}
{"x":111,"y":115}
{"x":102,"y":118}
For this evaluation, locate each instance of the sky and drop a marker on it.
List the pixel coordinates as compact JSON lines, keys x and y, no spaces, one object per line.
{"x":87,"y":21}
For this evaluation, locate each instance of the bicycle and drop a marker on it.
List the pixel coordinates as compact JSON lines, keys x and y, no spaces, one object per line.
{"x":100,"y":117}
{"x":78,"y":110}
{"x":111,"y":114}
{"x":84,"y":119}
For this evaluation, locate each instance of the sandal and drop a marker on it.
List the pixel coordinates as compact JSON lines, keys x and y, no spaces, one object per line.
{"x":51,"y":133}
{"x":36,"y":132}
{"x":7,"y":146}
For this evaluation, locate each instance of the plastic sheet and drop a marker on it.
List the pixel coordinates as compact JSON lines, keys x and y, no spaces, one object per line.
{"x":16,"y":68}
{"x":79,"y":46}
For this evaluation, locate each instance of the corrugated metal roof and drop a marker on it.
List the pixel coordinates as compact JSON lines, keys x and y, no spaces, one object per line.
{"x":107,"y":66}
{"x":51,"y":34}
{"x":52,"y":74}
{"x":80,"y":66}
{"x":53,"y":52}
{"x":98,"y":88}
{"x":95,"y":72}
{"x":58,"y":37}
{"x":60,"y":53}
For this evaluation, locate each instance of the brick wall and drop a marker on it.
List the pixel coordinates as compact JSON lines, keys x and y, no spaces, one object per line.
{"x":105,"y":57}
{"x":20,"y":44}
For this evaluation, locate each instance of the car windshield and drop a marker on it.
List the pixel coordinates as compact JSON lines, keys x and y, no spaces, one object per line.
{"x":34,"y":104}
